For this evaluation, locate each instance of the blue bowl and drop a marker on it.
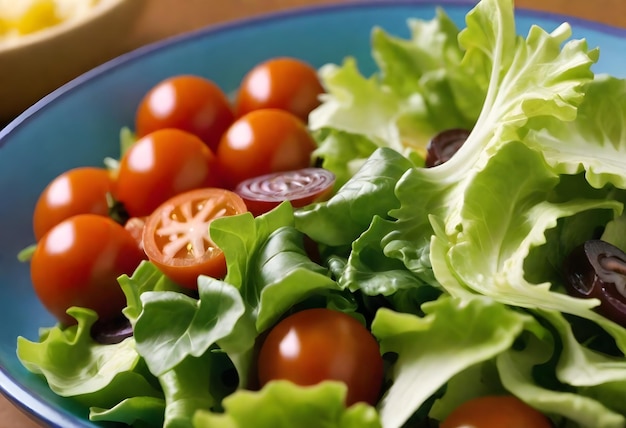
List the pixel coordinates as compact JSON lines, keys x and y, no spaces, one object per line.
{"x":79,"y":125}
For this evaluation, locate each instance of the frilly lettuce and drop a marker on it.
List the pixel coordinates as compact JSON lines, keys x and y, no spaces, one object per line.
{"x":544,"y":160}
{"x":453,"y":335}
{"x":281,"y":404}
{"x":98,"y":376}
{"x":600,"y":123}
{"x":369,"y":193}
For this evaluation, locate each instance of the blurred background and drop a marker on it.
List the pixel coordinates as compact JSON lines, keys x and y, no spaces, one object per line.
{"x":198,"y":13}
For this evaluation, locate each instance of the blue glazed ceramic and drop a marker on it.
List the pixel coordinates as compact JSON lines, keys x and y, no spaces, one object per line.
{"x":79,"y":125}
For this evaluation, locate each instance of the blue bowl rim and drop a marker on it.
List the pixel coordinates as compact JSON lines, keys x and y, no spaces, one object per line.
{"x":39,"y":409}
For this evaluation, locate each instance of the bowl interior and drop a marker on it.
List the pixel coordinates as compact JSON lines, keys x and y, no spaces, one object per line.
{"x":79,"y":125}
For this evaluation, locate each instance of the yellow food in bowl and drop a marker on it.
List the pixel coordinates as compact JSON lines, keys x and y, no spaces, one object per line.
{"x":57,"y":41}
{"x":22,"y":17}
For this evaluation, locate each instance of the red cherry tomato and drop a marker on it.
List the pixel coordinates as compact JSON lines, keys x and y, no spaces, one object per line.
{"x":77,"y":264}
{"x":301,"y":187}
{"x":283,"y":83}
{"x":191,"y":103}
{"x":160,"y":165}
{"x":262,"y":142}
{"x":77,"y":191}
{"x":495,"y":412}
{"x":176,"y":236}
{"x":321,"y":344}
{"x":135,"y":226}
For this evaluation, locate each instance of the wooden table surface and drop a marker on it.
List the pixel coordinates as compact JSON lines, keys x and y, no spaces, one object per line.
{"x":164,"y":18}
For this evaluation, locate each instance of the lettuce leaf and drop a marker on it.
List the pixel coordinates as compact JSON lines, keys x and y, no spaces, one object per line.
{"x":528,"y":78}
{"x":481,"y":221}
{"x":166,"y":341}
{"x":454,"y":335}
{"x":600,"y":124}
{"x":282,"y":404}
{"x":369,"y":193}
{"x":418,"y":90}
{"x":517,"y":373}
{"x":96,"y":375}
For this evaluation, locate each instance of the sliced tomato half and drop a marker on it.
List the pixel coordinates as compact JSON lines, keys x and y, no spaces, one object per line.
{"x":176,"y":235}
{"x":301,"y":187}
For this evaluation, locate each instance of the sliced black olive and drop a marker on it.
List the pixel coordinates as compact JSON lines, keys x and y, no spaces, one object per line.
{"x":110,"y":332}
{"x":597,"y":269}
{"x":444,"y":145}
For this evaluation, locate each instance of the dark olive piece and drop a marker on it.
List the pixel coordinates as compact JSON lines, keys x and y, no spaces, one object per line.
{"x":444,"y":145}
{"x":112,"y":331}
{"x":597,"y":269}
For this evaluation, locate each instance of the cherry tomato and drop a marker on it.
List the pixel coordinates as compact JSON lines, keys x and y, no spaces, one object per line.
{"x":262,"y":142}
{"x":314,"y":345}
{"x":135,"y":226}
{"x":301,"y":187}
{"x":191,"y":103}
{"x":77,"y":191}
{"x":176,"y":236}
{"x":283,"y":83}
{"x":495,"y":412}
{"x":160,"y":165}
{"x":77,"y":264}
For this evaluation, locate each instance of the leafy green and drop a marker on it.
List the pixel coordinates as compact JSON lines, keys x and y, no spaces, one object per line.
{"x":135,"y":411}
{"x":600,"y":123}
{"x":186,"y":389}
{"x":198,"y":324}
{"x":419,"y":90}
{"x":147,"y":277}
{"x":516,"y":373}
{"x":453,"y":336}
{"x":282,"y":404}
{"x":74,"y":365}
{"x":369,"y":193}
{"x":615,"y":232}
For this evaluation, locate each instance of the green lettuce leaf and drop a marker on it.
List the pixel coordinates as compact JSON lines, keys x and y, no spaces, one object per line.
{"x":288,"y":276}
{"x":592,"y":372}
{"x":165,"y":341}
{"x":454,"y":335}
{"x":342,"y":153}
{"x":186,"y":388}
{"x":528,"y":78}
{"x":484,"y":380}
{"x":418,"y":90}
{"x":349,"y":212}
{"x":600,"y":124}
{"x":517,"y":373}
{"x":139,"y":412}
{"x":369,"y":270}
{"x":282,"y":404}
{"x":615,"y":232}
{"x":74,"y":365}
{"x":147,"y":277}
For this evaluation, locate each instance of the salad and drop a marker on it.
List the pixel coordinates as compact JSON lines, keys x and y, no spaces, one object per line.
{"x":488,"y":281}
